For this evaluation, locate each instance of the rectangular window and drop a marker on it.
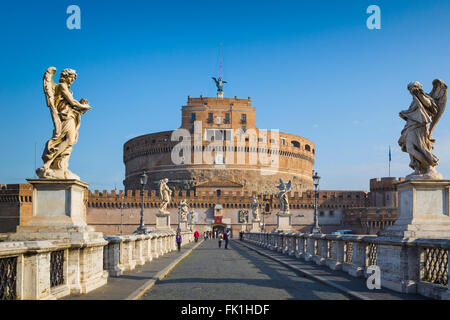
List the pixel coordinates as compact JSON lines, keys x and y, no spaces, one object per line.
{"x":227,"y":117}
{"x":243,"y":118}
{"x":244,"y":128}
{"x":210,"y":117}
{"x":192,"y":116}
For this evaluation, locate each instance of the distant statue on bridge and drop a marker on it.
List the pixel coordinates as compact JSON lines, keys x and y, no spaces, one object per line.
{"x":283,"y":197}
{"x":243,"y":216}
{"x":183,"y":210}
{"x":421,"y":119}
{"x":255,"y":208}
{"x":164,"y":194}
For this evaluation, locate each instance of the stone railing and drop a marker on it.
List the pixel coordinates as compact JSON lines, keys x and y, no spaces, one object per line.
{"x":41,"y":270}
{"x":406,"y":265}
{"x":124,"y":253}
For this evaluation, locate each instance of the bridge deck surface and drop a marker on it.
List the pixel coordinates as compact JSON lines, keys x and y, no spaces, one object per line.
{"x":244,"y":272}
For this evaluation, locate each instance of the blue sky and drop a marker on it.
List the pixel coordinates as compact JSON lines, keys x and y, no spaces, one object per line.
{"x":312,"y":68}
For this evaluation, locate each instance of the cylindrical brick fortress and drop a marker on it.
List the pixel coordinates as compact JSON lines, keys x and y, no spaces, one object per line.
{"x":227,"y":152}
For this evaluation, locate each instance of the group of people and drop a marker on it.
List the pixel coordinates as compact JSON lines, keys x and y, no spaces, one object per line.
{"x":220,"y":236}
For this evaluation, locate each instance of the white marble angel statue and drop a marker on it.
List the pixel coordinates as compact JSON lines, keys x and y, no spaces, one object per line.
{"x":164,"y":194}
{"x":66,"y":115}
{"x":421,"y":119}
{"x":183,"y":210}
{"x":283,"y":197}
{"x":255,"y":208}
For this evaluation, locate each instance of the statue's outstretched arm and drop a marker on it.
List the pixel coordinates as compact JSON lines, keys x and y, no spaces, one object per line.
{"x":69,"y":98}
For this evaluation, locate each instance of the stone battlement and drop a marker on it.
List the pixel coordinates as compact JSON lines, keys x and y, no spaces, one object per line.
{"x":385,"y":184}
{"x":232,"y":199}
{"x":219,"y":101}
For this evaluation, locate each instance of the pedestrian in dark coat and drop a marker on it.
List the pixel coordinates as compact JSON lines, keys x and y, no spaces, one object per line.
{"x":178,"y":240}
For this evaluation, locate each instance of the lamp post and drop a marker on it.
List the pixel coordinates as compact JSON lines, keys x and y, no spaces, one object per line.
{"x":316,"y":228}
{"x":143,"y":179}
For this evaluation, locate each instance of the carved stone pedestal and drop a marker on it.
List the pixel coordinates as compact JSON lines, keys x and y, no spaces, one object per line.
{"x":59,"y":218}
{"x":183,"y":226}
{"x":423,"y":210}
{"x":256,"y":227}
{"x":163,"y":220}
{"x":283,"y":222}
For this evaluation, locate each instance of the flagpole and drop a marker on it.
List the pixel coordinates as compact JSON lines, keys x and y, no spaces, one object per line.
{"x":389,"y":161}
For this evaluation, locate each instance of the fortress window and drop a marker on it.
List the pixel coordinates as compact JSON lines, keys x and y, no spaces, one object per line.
{"x":307,"y":147}
{"x":153,"y":141}
{"x":227,"y":118}
{"x":283,"y":142}
{"x":192,"y":116}
{"x":331,"y":213}
{"x":243,"y":118}
{"x":244,"y":128}
{"x":295,"y":144}
{"x":210,"y":117}
{"x":321,"y":213}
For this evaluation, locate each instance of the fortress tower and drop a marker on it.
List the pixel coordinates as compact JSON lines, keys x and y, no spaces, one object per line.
{"x":236,"y":155}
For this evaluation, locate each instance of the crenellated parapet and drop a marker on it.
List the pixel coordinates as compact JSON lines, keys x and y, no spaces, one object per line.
{"x":385,"y":184}
{"x":16,"y":193}
{"x":232,"y":199}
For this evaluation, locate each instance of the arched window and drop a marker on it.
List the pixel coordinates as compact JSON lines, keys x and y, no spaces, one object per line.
{"x":295,"y":144}
{"x":307,"y":147}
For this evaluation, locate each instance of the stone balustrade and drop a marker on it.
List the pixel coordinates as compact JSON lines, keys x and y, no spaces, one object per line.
{"x":124,"y":253}
{"x":46,"y":270}
{"x":43,"y":270}
{"x":406,"y":265}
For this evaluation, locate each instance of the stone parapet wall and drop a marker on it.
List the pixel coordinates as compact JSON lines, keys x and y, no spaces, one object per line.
{"x":406,"y":265}
{"x":47,"y":270}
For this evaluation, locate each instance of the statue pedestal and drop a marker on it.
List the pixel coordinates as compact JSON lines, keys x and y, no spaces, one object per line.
{"x":256,"y":227}
{"x":423,"y":210}
{"x":163,"y":220}
{"x":283,"y":222}
{"x":59,"y":216}
{"x":183,"y":226}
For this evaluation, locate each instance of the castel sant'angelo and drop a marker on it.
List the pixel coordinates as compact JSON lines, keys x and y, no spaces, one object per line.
{"x":229,"y":155}
{"x":216,"y":161}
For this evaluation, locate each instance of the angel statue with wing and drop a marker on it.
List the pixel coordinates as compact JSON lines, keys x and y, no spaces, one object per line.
{"x":421,"y":119}
{"x":219,"y":84}
{"x":183,"y":208}
{"x":255,"y":208}
{"x":66,"y":116}
{"x":283,"y":197}
{"x":164,"y":194}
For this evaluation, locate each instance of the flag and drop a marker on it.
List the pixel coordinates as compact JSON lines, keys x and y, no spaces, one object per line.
{"x":389,"y":153}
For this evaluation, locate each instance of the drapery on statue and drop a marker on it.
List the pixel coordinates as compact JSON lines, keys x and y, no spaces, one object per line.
{"x":219,"y":84}
{"x":255,"y":208}
{"x":282,"y":196}
{"x":421,"y":119}
{"x":66,"y":115}
{"x":164,"y":194}
{"x":183,"y":210}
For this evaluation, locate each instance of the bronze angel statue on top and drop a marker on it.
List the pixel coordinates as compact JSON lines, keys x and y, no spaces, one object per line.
{"x":219,"y":84}
{"x":66,"y":115}
{"x":421,"y":119}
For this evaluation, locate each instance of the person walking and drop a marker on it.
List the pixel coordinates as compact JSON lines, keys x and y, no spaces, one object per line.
{"x":226,"y":237}
{"x":178,"y":240}
{"x":220,"y":237}
{"x":205,"y":236}
{"x":196,"y":235}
